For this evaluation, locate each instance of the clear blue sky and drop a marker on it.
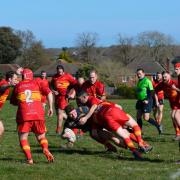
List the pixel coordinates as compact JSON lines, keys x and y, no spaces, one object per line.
{"x":57,"y":22}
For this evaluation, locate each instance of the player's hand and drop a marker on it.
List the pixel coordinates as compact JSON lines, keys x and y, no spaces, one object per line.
{"x":82,"y":120}
{"x":174,"y":87}
{"x":50,"y":112}
{"x":55,"y":92}
{"x":19,"y":71}
{"x":145,"y":101}
{"x":157,"y":104}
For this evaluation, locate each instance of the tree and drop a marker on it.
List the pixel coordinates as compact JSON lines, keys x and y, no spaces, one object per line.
{"x":125,"y":50}
{"x":86,"y":43}
{"x":65,"y":55}
{"x":32,"y":52}
{"x":156,"y":44}
{"x":10,"y":45}
{"x":111,"y":72}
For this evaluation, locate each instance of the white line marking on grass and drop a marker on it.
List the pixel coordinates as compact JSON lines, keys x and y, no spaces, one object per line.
{"x":175,"y":175}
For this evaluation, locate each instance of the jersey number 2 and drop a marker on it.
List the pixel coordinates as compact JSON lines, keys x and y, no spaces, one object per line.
{"x":28,"y":94}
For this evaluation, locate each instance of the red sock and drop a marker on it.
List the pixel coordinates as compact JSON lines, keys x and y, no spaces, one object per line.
{"x":81,"y":132}
{"x":44,"y":143}
{"x":176,"y":129}
{"x":137,"y":133}
{"x":133,"y":137}
{"x":75,"y":130}
{"x":26,"y":148}
{"x":130,"y":144}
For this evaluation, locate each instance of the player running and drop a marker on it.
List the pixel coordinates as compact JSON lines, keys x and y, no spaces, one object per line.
{"x":30,"y":113}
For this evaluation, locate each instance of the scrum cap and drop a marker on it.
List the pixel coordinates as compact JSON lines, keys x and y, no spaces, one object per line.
{"x":27,"y":74}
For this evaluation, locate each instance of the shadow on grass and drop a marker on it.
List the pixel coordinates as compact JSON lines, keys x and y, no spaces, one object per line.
{"x":82,"y":151}
{"x":103,"y":154}
{"x":160,"y":138}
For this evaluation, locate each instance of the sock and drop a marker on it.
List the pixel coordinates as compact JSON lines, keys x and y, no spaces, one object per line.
{"x":75,"y":130}
{"x":44,"y":143}
{"x":137,"y":133}
{"x":130,"y":144}
{"x":133,"y":137}
{"x":176,"y":129}
{"x":140,"y":123}
{"x":153,"y":122}
{"x":81,"y":132}
{"x":26,"y":148}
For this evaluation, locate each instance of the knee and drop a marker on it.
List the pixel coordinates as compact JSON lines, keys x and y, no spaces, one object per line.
{"x":1,"y":128}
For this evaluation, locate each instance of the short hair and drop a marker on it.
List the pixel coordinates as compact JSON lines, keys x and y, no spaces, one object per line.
{"x":60,"y":67}
{"x":93,"y":71}
{"x":82,"y":93}
{"x":69,"y":108}
{"x":43,"y":71}
{"x":165,"y":72}
{"x":140,"y":69}
{"x":158,"y":72}
{"x":9,"y":74}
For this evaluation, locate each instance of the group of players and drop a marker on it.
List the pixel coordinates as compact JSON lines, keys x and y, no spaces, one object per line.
{"x":106,"y":122}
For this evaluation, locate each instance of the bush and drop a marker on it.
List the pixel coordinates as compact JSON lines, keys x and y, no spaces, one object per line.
{"x":126,"y":92}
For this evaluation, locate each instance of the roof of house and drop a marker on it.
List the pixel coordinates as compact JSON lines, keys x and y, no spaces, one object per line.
{"x":51,"y":68}
{"x":150,"y":67}
{"x":176,"y":60}
{"x":8,"y":67}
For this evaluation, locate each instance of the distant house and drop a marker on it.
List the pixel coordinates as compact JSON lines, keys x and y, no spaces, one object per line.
{"x":150,"y":67}
{"x":51,"y":68}
{"x":7,"y":67}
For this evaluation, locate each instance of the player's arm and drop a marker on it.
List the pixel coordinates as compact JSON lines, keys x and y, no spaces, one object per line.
{"x":101,"y":91}
{"x":156,"y":99}
{"x":84,"y":119}
{"x":50,"y":103}
{"x":175,"y":86}
{"x":52,"y":87}
{"x":4,"y":87}
{"x":13,"y":99}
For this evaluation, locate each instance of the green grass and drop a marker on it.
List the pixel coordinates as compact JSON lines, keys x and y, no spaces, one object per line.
{"x":88,"y":159}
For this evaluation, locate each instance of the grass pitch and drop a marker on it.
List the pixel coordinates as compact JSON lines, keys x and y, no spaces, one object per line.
{"x":88,"y":159}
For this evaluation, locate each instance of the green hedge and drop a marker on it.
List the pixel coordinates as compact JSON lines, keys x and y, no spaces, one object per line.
{"x":126,"y":92}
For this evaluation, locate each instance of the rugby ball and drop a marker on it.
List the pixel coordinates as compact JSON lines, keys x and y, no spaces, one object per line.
{"x":70,"y":135}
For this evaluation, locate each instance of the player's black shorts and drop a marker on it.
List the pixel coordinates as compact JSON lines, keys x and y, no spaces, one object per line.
{"x":145,"y":108}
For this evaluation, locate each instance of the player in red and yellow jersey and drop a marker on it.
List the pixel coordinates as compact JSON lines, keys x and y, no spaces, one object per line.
{"x":30,"y":113}
{"x":177,"y":71}
{"x":61,"y":82}
{"x":167,"y":86}
{"x":43,"y":80}
{"x":94,"y":87}
{"x":109,"y":116}
{"x":5,"y":84}
{"x":158,"y":101}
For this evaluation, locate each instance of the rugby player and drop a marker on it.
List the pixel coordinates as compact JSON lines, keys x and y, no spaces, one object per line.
{"x":30,"y":114}
{"x":5,"y":85}
{"x":109,"y":116}
{"x":61,"y":81}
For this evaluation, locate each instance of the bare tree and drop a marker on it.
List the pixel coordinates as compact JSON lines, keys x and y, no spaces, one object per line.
{"x":86,"y":42}
{"x":157,"y":45}
{"x":32,"y":53}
